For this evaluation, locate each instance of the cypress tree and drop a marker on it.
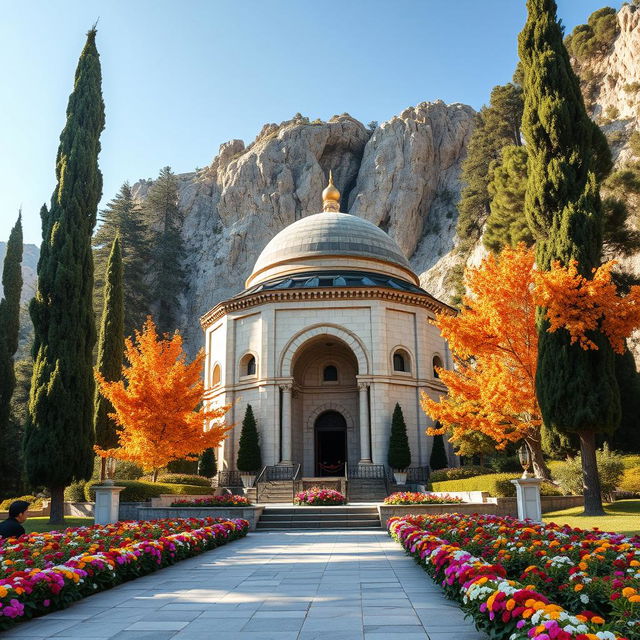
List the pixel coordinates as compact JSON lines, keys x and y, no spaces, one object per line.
{"x":207,"y":465}
{"x":110,"y":350}
{"x":627,"y":436}
{"x":59,"y":433}
{"x":438,"y":459}
{"x":577,"y":390}
{"x":249,"y":456}
{"x":163,"y":219}
{"x":9,"y":329}
{"x":399,"y":456}
{"x":123,"y":218}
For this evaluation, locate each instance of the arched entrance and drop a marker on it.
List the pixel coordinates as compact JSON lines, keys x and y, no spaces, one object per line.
{"x":330,"y":444}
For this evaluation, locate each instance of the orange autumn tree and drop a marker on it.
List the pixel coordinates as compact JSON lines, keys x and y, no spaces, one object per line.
{"x":156,"y":403}
{"x":494,"y":343}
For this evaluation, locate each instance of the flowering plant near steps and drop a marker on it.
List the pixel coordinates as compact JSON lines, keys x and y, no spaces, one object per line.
{"x":411,"y":497}
{"x":214,"y":501}
{"x":42,"y":572}
{"x":520,"y":580}
{"x":318,"y":497}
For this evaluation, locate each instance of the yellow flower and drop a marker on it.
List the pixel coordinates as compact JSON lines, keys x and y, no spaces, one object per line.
{"x":628,"y":591}
{"x":3,"y":592}
{"x":635,"y":598}
{"x":597,"y":620}
{"x":511,"y":603}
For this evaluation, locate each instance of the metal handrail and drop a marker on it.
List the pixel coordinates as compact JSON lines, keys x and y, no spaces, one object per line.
{"x":293,"y":482}
{"x":255,"y":482}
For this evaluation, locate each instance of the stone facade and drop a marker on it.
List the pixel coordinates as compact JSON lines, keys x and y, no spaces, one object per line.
{"x":323,"y":363}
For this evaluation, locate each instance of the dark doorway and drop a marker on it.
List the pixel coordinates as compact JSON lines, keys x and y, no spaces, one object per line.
{"x":331,"y":444}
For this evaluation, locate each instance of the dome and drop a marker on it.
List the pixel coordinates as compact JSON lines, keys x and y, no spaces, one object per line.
{"x":331,"y":240}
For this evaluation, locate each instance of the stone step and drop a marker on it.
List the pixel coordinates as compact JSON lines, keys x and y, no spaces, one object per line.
{"x":320,"y":524}
{"x":273,"y":517}
{"x":316,"y":510}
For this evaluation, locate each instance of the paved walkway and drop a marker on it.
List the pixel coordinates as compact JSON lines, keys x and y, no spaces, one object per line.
{"x":333,"y":585}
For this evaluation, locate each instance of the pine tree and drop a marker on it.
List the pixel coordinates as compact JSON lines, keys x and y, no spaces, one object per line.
{"x":59,"y":432}
{"x":438,"y":459}
{"x":207,"y":465}
{"x":110,"y":350}
{"x":249,"y":456}
{"x":9,"y":328}
{"x":123,"y":218}
{"x":576,"y":388}
{"x":164,"y":218}
{"x":399,"y":456}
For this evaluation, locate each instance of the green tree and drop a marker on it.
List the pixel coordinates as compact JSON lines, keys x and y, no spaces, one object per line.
{"x":506,"y":224}
{"x":59,"y":431}
{"x":577,"y":389}
{"x":595,"y":37}
{"x":164,"y":219}
{"x":438,"y":459}
{"x":399,"y":456}
{"x":207,"y":465}
{"x":249,"y":456}
{"x":110,"y":351}
{"x":9,"y":329}
{"x":122,"y":218}
{"x":627,"y":436}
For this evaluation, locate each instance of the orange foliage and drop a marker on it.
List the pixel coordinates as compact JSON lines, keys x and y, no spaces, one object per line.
{"x":580,"y":305}
{"x":494,"y":343}
{"x":155,"y":409}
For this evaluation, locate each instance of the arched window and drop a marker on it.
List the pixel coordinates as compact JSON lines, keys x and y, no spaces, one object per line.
{"x":248,"y":365}
{"x":215,"y":378}
{"x":401,"y":361}
{"x":330,"y":374}
{"x":437,"y":364}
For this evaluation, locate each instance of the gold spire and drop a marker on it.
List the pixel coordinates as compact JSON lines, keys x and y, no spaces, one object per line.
{"x":331,"y":196}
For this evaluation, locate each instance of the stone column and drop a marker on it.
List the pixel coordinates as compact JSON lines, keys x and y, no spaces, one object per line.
{"x":107,"y":502}
{"x":528,"y":498}
{"x":365,"y":448}
{"x":286,"y":423}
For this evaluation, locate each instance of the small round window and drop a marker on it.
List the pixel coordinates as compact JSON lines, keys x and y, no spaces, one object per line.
{"x":330,"y":373}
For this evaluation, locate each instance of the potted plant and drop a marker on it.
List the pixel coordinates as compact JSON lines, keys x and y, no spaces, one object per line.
{"x":399,"y":457}
{"x":249,"y":458}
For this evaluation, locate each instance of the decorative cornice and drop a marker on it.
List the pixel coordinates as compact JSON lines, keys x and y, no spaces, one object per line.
{"x":342,"y":293}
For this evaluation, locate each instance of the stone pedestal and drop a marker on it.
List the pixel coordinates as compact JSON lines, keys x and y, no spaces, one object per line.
{"x":107,"y":503}
{"x":528,"y":498}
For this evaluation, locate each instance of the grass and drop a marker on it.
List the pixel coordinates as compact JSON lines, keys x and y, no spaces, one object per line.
{"x":622,"y":516}
{"x":40,"y":525}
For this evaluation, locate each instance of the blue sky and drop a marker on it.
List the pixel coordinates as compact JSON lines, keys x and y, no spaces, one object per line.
{"x":180,"y":78}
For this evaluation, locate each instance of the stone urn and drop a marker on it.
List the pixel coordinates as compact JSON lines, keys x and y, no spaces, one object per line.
{"x":400,"y":476}
{"x":248,"y":479}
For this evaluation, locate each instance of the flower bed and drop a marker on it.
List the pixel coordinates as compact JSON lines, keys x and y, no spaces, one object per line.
{"x":521,"y":580}
{"x":41,"y":572}
{"x":411,"y":497}
{"x":214,"y":501}
{"x":317,"y":497}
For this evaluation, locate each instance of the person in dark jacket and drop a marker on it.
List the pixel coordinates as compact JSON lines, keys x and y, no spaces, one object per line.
{"x":12,"y":526}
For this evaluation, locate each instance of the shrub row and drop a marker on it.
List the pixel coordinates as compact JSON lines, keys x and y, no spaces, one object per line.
{"x":34,"y":503}
{"x":181,"y":478}
{"x":498,"y":485}
{"x":134,"y":490}
{"x":457,"y":473}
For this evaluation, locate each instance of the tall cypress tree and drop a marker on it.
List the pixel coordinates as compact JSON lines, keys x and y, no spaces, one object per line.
{"x":249,"y":456}
{"x":123,"y":218}
{"x":110,"y":350}
{"x":9,"y":329}
{"x":577,"y":389}
{"x":164,"y":220}
{"x":59,"y":433}
{"x":399,"y":455}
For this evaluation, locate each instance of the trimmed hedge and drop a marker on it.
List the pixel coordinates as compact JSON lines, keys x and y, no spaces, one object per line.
{"x":497,"y":485}
{"x":631,"y":480}
{"x":140,"y":491}
{"x":457,"y":473}
{"x":34,"y":503}
{"x":180,"y":478}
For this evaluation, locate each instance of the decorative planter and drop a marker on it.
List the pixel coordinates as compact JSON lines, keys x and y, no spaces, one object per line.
{"x":400,"y":476}
{"x":248,"y":479}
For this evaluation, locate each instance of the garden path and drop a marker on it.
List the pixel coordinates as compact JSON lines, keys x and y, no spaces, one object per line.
{"x":302,"y":585}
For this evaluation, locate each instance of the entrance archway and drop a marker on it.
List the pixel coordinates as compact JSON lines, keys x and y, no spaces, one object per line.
{"x":330,"y":444}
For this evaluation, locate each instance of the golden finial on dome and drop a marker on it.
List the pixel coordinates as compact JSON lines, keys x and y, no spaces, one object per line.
{"x":331,"y":196}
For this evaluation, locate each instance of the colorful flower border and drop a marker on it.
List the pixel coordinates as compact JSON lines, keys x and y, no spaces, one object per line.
{"x":214,"y":501}
{"x":504,"y":608}
{"x":413,"y":497}
{"x":317,"y":497}
{"x":31,"y":592}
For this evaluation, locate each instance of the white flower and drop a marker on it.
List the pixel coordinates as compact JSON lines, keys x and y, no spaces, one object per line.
{"x":584,"y":598}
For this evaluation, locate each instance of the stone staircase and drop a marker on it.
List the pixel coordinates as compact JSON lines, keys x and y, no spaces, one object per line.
{"x":366,"y":490}
{"x":343,"y":517}
{"x":275,"y":491}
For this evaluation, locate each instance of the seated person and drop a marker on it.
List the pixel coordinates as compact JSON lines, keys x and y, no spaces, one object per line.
{"x":12,"y":526}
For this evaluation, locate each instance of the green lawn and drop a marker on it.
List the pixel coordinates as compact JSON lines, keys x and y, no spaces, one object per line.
{"x":622,"y":516}
{"x":42,"y":524}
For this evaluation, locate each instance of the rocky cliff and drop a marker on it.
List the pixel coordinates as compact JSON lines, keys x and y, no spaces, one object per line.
{"x":403,"y":176}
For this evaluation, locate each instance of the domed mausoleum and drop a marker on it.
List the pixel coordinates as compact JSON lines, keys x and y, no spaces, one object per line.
{"x":331,"y":331}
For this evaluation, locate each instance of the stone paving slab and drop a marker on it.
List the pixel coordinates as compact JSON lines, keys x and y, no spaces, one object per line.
{"x":298,"y":585}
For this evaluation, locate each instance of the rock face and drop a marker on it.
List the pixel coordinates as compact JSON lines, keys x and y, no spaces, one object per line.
{"x":404,"y":177}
